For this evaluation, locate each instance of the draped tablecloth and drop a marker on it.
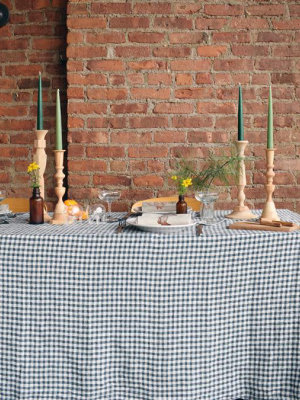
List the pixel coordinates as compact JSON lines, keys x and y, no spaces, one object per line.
{"x":88,"y":314}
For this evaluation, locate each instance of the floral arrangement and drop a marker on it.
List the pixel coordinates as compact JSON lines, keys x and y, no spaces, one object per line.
{"x":33,"y":172}
{"x":182,"y":182}
{"x":221,"y":168}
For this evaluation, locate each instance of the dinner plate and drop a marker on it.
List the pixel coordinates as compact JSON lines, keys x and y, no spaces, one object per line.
{"x":159,"y":229}
{"x":139,"y":210}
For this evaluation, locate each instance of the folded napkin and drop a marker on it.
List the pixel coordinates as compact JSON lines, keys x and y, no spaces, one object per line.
{"x":157,"y":206}
{"x":164,"y":219}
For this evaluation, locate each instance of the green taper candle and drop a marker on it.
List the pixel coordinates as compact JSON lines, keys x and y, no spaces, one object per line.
{"x":58,"y":123}
{"x":40,"y":122}
{"x":240,"y":116}
{"x":270,"y":144}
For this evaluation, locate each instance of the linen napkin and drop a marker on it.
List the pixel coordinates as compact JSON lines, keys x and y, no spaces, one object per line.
{"x":157,"y":206}
{"x":164,"y":219}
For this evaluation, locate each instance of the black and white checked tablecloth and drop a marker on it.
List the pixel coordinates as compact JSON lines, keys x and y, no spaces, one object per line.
{"x":87,"y":314}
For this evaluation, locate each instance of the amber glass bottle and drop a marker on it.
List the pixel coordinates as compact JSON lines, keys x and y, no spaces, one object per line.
{"x":36,"y":207}
{"x":181,"y":206}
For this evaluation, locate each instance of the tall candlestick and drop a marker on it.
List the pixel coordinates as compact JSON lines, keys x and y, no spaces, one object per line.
{"x":58,"y":123}
{"x":269,"y":211}
{"x":40,"y":122}
{"x":240,"y":116}
{"x":60,"y":212}
{"x":270,"y":144}
{"x":241,"y":211}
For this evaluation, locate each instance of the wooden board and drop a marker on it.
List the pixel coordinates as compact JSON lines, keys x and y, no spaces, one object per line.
{"x":253,"y":226}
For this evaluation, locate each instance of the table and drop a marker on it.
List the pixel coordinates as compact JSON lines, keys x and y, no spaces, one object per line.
{"x":87,"y":314}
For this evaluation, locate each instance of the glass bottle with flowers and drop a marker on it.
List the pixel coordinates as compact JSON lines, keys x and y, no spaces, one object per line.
{"x":182,"y":183}
{"x":36,"y":202}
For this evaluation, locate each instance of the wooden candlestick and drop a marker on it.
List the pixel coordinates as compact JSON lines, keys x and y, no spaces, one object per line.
{"x":241,"y":211}
{"x":269,"y":211}
{"x":40,"y":157}
{"x":60,"y":211}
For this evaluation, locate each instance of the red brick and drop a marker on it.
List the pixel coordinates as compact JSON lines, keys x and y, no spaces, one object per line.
{"x":131,"y":137}
{"x":137,"y":165}
{"x":86,"y":108}
{"x":183,"y":37}
{"x":216,"y":108}
{"x":272,"y":9}
{"x":250,"y":50}
{"x":249,"y":23}
{"x":74,"y":37}
{"x":231,"y":37}
{"x":111,"y":8}
{"x":148,"y":122}
{"x":211,"y":23}
{"x":74,"y":66}
{"x":147,"y":152}
{"x":207,"y":137}
{"x":77,"y":9}
{"x":202,"y":78}
{"x":273,"y":64}
{"x":147,"y":64}
{"x":22,"y":70}
{"x":85,"y":80}
{"x":189,"y":152}
{"x":150,"y":93}
{"x":223,"y":9}
{"x":88,"y":137}
{"x":135,"y":79}
{"x":87,"y":165}
{"x":286,"y":51}
{"x":114,"y":123}
{"x":110,"y":37}
{"x":118,"y":165}
{"x":32,"y":4}
{"x":148,"y":181}
{"x":129,"y":108}
{"x":106,"y":65}
{"x":173,"y":108}
{"x":172,"y":52}
{"x":107,"y":94}
{"x":14,"y":152}
{"x":3,"y":138}
{"x":79,"y":180}
{"x":187,"y":8}
{"x":152,"y":8}
{"x":173,"y":23}
{"x":211,"y":51}
{"x":75,"y":93}
{"x":287,"y":24}
{"x":75,"y":151}
{"x":111,"y":180}
{"x":129,"y":22}
{"x":169,"y":137}
{"x":132,"y":51}
{"x":117,"y":80}
{"x":19,"y":111}
{"x":86,"y":23}
{"x":192,"y":122}
{"x":201,"y":93}
{"x":234,"y":65}
{"x":288,"y":165}
{"x":190,"y":65}
{"x":100,"y":152}
{"x":74,"y":122}
{"x":86,"y":52}
{"x":146,"y":37}
{"x":184,"y":79}
{"x":273,"y":37}
{"x":159,"y":79}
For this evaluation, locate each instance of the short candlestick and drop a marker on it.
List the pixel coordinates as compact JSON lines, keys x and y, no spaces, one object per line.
{"x":60,"y":212}
{"x":269,"y":211}
{"x":241,"y":211}
{"x":40,"y":157}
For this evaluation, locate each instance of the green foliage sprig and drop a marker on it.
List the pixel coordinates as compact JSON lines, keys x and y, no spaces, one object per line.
{"x":221,"y":167}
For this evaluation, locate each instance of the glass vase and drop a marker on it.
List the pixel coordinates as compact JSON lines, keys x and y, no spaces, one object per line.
{"x":208,"y":199}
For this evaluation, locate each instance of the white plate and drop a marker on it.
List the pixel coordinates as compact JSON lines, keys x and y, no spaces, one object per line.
{"x":139,"y":210}
{"x":158,"y":229}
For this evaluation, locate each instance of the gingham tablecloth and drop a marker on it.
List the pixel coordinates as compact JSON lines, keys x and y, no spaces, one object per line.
{"x":87,"y":314}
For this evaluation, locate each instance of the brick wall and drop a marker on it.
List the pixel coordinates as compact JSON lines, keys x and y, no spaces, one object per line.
{"x":32,"y":41}
{"x":150,"y":81}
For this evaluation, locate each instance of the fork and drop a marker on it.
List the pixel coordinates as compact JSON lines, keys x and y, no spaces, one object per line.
{"x":122,"y":225}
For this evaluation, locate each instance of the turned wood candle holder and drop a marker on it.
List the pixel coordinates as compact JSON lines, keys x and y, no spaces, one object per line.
{"x":241,"y":211}
{"x":269,"y":211}
{"x":60,"y":211}
{"x":40,"y":157}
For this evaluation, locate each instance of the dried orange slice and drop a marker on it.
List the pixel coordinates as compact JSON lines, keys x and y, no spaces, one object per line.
{"x":70,"y":202}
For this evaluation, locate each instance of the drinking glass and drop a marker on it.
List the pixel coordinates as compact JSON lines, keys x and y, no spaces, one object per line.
{"x":95,"y":213}
{"x":109,"y":196}
{"x":207,"y":212}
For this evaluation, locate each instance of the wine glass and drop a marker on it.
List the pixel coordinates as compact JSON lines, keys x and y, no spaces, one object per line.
{"x":109,"y":196}
{"x":2,"y":197}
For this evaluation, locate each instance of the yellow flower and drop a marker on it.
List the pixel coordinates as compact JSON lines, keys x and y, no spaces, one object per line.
{"x":187,"y":182}
{"x":33,"y":167}
{"x":174,"y":177}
